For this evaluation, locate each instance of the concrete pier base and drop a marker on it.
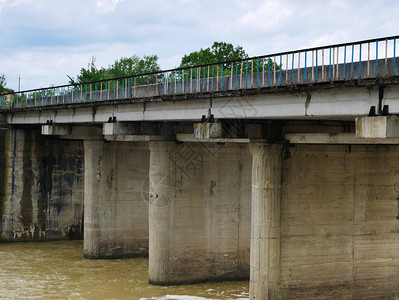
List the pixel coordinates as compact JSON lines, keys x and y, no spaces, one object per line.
{"x":116,"y":208}
{"x":199,"y":212}
{"x":265,"y":228}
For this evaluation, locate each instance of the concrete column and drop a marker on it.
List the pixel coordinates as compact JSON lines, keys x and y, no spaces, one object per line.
{"x":199,"y":212}
{"x":162,"y":190}
{"x":116,"y":200}
{"x":266,"y":213}
{"x":91,"y":243}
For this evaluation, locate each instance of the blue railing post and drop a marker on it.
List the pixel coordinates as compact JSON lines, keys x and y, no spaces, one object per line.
{"x":292,"y":68}
{"x":213,"y":71}
{"x":236,"y":74}
{"x":329,"y":67}
{"x":353,"y":47}
{"x":221,"y":78}
{"x":203,"y":80}
{"x":394,"y":56}
{"x":178,"y":82}
{"x":246,"y":74}
{"x":268,"y":71}
{"x":360,"y":60}
{"x":306,"y":57}
{"x":344,"y":61}
{"x":163,"y":83}
{"x":317,"y":64}
{"x":376,"y":58}
{"x":128,"y":88}
{"x":187,"y":77}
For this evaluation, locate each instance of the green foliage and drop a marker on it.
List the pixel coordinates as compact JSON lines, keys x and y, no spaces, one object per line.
{"x":3,"y":82}
{"x":218,"y":52}
{"x":123,"y":67}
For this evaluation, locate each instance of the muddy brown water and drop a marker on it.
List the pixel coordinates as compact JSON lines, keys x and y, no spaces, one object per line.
{"x":56,"y":270}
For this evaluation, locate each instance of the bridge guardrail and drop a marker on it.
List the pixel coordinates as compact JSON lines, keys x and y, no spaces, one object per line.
{"x":349,"y":61}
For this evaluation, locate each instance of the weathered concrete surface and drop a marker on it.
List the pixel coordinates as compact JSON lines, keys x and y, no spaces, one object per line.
{"x":207,"y":130}
{"x":339,"y":103}
{"x":265,"y":226}
{"x":377,"y":127}
{"x":116,"y":199}
{"x":339,"y":226}
{"x":199,"y":212}
{"x":41,"y":187}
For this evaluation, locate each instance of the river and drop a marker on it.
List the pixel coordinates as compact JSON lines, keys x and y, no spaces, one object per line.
{"x":56,"y":270}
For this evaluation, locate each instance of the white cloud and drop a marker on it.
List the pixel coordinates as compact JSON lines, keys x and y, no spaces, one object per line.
{"x":106,"y":6}
{"x":44,"y":40}
{"x":186,"y":1}
{"x":12,"y":3}
{"x":269,"y":16}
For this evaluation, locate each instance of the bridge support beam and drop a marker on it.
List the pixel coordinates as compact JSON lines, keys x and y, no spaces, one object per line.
{"x":116,"y":209}
{"x":199,"y":212}
{"x":265,"y":228}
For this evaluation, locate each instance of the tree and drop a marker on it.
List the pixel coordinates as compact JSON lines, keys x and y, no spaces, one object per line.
{"x":221,"y":51}
{"x":3,"y":82}
{"x":123,"y":67}
{"x":218,"y":52}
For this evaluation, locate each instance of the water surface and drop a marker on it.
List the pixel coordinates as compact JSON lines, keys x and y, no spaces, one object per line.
{"x":56,"y":270}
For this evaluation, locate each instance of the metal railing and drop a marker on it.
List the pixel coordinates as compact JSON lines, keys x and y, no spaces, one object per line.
{"x":349,"y":61}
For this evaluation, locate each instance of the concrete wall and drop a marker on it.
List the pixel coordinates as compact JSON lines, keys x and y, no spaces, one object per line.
{"x":200,"y":207}
{"x":116,"y":199}
{"x":339,"y":226}
{"x":41,"y":189}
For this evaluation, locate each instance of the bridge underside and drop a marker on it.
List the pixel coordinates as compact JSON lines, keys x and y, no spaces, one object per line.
{"x":303,"y":208}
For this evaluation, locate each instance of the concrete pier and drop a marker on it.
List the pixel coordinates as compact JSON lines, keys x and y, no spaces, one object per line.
{"x":334,"y":233}
{"x":41,"y":189}
{"x":265,"y":227}
{"x":199,"y":212}
{"x":116,"y":208}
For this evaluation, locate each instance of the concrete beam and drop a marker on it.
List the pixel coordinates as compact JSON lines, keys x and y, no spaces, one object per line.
{"x":336,"y":138}
{"x":68,"y":130}
{"x":380,"y":127}
{"x":134,"y":138}
{"x":190,"y":138}
{"x":118,"y":129}
{"x":331,"y":104}
{"x":56,"y":129}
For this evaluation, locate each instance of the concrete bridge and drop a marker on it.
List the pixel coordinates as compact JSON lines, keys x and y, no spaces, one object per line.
{"x":281,"y":168}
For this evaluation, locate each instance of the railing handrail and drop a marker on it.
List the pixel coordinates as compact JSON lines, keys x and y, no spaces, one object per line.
{"x":211,"y":64}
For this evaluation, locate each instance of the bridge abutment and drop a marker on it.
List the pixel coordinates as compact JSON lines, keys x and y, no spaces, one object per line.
{"x":199,"y":212}
{"x":116,"y":209}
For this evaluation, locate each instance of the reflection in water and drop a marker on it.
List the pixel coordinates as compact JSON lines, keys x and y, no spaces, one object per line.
{"x":56,"y":270}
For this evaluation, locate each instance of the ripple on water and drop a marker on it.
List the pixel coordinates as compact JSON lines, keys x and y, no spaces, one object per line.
{"x":56,"y":270}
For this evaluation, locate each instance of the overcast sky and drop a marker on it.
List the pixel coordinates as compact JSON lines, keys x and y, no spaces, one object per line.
{"x":44,"y":40}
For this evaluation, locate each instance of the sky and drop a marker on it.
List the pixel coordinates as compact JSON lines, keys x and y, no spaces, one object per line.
{"x":43,"y":41}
